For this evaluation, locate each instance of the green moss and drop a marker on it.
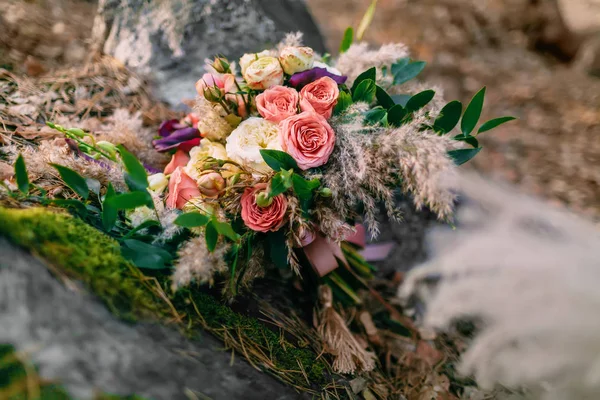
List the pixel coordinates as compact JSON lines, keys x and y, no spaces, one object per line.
{"x":83,"y":252}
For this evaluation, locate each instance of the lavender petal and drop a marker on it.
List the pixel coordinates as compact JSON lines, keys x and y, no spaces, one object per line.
{"x":177,"y":137}
{"x":302,"y":79}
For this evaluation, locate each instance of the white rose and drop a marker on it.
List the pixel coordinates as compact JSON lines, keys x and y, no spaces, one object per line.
{"x":264,"y":73}
{"x":157,"y":182}
{"x":249,"y":58}
{"x":334,"y":71}
{"x":245,"y":142}
{"x":199,"y":154}
{"x":296,"y":59}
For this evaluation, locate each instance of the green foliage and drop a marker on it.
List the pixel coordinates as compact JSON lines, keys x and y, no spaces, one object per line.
{"x":211,"y":235}
{"x":405,"y":70}
{"x":225,"y":229}
{"x":344,"y":101}
{"x":365,"y":91}
{"x":73,"y":180}
{"x":371,"y":74}
{"x":375,"y":115}
{"x":136,"y":176}
{"x":304,"y":190}
{"x":21,"y":175}
{"x":419,"y":100}
{"x":192,"y":220}
{"x":347,"y":40}
{"x":396,"y":114}
{"x":366,"y":20}
{"x":472,"y":113}
{"x":461,"y":156}
{"x":278,"y":250}
{"x":383,"y":98}
{"x":448,"y":118}
{"x":493,"y":123}
{"x":130,"y":201}
{"x":401,"y":99}
{"x":278,"y":160}
{"x":109,"y":212}
{"x":145,"y":255}
{"x":280,"y":182}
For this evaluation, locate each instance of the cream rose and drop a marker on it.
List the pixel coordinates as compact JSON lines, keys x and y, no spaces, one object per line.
{"x":249,"y":58}
{"x":296,"y":59}
{"x":264,"y":73}
{"x":245,"y":142}
{"x":199,"y":154}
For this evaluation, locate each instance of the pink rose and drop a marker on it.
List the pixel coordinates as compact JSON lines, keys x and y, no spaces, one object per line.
{"x":277,"y":103}
{"x":308,"y":138}
{"x":231,"y":88}
{"x":182,"y":188}
{"x":211,"y":184}
{"x":320,"y":96}
{"x":209,"y":81}
{"x":262,"y":219}
{"x":179,"y":159}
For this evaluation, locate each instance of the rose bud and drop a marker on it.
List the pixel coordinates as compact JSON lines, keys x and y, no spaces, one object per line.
{"x":208,"y":81}
{"x":158,"y":182}
{"x":221,"y":65}
{"x":211,"y":184}
{"x":296,"y":59}
{"x":264,"y":73}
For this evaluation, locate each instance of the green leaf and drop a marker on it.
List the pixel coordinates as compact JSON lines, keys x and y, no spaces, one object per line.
{"x":375,"y":115}
{"x":448,"y":118}
{"x":419,"y":100}
{"x":94,"y":185}
{"x":304,"y":190}
{"x":347,"y":40}
{"x":383,"y":98}
{"x":146,"y":224}
{"x":493,"y":123}
{"x":401,"y":99}
{"x":365,"y":91}
{"x":212,"y":236}
{"x":467,"y":139}
{"x":371,"y":74}
{"x":191,"y":220}
{"x":136,"y":177}
{"x":73,"y":180}
{"x":280,"y":182}
{"x":225,"y":229}
{"x":131,"y":200}
{"x":72,"y":203}
{"x":278,"y":249}
{"x":145,"y":255}
{"x":461,"y":156}
{"x":395,"y":115}
{"x":401,"y":63}
{"x":278,"y":160}
{"x":109,"y":213}
{"x":472,"y":113}
{"x":407,"y":72}
{"x":76,"y":132}
{"x":344,"y":101}
{"x":366,"y":20}
{"x":236,"y":255}
{"x":21,"y":175}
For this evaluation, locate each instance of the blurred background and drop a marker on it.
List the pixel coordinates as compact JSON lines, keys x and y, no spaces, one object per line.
{"x":540,"y":60}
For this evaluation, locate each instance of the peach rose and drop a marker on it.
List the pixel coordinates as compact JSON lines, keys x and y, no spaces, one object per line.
{"x":182,"y":188}
{"x":308,"y":138}
{"x":209,"y":81}
{"x":179,"y":159}
{"x":262,"y":219}
{"x":320,"y":96}
{"x":277,"y":103}
{"x":263,"y":73}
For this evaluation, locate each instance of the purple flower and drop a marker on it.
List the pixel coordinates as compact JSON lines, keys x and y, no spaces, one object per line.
{"x":175,"y":138}
{"x":302,"y":79}
{"x":169,"y":126}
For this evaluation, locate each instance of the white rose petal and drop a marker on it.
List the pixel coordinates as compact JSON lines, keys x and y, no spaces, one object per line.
{"x":245,"y":142}
{"x":158,"y":182}
{"x":327,"y":67}
{"x":296,"y":59}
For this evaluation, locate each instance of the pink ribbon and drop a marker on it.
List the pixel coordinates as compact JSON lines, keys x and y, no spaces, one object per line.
{"x":325,"y":255}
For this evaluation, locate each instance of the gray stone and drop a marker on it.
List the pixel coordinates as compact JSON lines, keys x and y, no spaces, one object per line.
{"x":75,"y":340}
{"x":169,"y":40}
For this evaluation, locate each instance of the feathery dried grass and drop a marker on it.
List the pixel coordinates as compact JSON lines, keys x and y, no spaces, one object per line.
{"x":530,"y":274}
{"x":197,"y":263}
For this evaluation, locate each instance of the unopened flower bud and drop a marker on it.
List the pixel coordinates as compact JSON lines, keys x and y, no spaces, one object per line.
{"x":157,"y":182}
{"x":107,"y":147}
{"x":213,"y":93}
{"x":221,"y":65}
{"x":211,"y":184}
{"x":296,"y":59}
{"x":76,"y":132}
{"x":263,"y":199}
{"x":325,"y":192}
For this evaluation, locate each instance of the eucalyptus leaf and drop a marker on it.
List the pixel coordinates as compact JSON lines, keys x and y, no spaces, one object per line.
{"x":493,"y":123}
{"x":407,"y":72}
{"x":191,"y":220}
{"x":448,"y":118}
{"x":278,"y":160}
{"x":347,"y":40}
{"x":212,"y":236}
{"x":136,"y":177}
{"x":398,"y":65}
{"x":375,"y":115}
{"x":73,"y":180}
{"x":419,"y":100}
{"x":21,"y":175}
{"x":371,"y":74}
{"x":365,"y":91}
{"x":461,"y":156}
{"x":401,"y":99}
{"x":472,"y":113}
